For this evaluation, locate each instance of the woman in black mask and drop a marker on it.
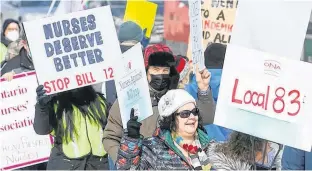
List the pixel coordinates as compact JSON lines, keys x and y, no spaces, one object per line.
{"x":76,"y":119}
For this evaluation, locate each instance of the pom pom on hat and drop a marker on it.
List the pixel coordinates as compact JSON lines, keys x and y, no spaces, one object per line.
{"x":172,"y":101}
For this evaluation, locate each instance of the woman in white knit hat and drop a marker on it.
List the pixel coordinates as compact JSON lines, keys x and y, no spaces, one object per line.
{"x":179,"y":143}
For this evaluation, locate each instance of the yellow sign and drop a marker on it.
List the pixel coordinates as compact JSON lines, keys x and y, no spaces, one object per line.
{"x":143,"y":13}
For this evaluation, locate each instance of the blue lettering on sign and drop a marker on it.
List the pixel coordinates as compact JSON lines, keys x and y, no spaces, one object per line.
{"x":67,"y":39}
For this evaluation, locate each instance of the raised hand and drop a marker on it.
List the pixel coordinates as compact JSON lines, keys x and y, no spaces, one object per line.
{"x":133,"y":126}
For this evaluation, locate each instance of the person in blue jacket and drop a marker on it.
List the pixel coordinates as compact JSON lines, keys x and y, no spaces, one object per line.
{"x":214,"y":59}
{"x":295,"y":159}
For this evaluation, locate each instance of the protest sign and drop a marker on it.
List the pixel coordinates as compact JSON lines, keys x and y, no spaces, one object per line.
{"x":265,"y":26}
{"x":20,"y":146}
{"x":131,"y":85}
{"x":176,"y":21}
{"x":143,"y":13}
{"x":266,"y":96}
{"x":217,"y":21}
{"x":73,"y":50}
{"x":196,"y":33}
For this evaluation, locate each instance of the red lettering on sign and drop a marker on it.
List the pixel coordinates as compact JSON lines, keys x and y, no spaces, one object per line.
{"x":85,"y":79}
{"x":109,"y":73}
{"x":261,"y":99}
{"x":57,"y":85}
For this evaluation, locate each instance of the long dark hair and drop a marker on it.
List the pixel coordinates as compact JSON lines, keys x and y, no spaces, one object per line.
{"x":169,"y":123}
{"x":87,"y":102}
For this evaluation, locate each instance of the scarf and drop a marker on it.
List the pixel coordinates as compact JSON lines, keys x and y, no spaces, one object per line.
{"x":199,"y":159}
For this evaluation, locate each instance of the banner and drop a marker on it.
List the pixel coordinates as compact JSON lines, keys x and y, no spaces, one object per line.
{"x":176,"y":21}
{"x":131,"y":85}
{"x":143,"y":13}
{"x":73,"y":50}
{"x":266,"y":96}
{"x":266,"y":26}
{"x":20,"y":146}
{"x":217,"y":21}
{"x":196,"y":34}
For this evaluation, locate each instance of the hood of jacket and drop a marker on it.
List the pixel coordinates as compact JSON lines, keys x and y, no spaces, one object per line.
{"x":221,"y":161}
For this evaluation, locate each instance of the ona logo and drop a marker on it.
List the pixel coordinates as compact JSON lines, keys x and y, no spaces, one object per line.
{"x":272,"y":67}
{"x":128,"y":66}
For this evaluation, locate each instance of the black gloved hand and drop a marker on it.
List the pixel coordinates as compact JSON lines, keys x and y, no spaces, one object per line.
{"x":42,"y":98}
{"x":133,"y":126}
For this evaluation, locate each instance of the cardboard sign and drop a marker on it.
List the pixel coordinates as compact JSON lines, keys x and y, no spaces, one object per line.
{"x":73,"y":50}
{"x":266,"y":96}
{"x":265,"y":26}
{"x":143,"y":13}
{"x":176,"y":21}
{"x":131,"y":85}
{"x":20,"y":146}
{"x":217,"y":21}
{"x":196,"y":33}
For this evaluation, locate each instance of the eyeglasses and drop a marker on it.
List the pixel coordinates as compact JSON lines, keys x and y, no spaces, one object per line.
{"x":187,"y":113}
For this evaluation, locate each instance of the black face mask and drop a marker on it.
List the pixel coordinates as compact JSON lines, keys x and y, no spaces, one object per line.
{"x":160,"y":82}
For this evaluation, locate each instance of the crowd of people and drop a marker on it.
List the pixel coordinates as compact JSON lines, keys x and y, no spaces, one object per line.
{"x":180,"y":135}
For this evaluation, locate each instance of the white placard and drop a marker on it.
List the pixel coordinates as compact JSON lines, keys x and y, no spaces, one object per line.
{"x":132,"y":86}
{"x":277,"y":26}
{"x":266,"y":96}
{"x":196,"y":32}
{"x":20,"y":146}
{"x":73,"y":50}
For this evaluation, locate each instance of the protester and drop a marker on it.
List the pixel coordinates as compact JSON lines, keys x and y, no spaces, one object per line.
{"x":295,"y":159}
{"x":180,"y":143}
{"x":76,"y":119}
{"x":162,"y":76}
{"x":17,"y":60}
{"x":10,"y":31}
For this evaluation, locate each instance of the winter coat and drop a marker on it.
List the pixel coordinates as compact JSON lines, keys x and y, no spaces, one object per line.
{"x":160,"y":153}
{"x":155,"y":153}
{"x":18,"y":64}
{"x":58,"y":160}
{"x":295,"y":159}
{"x":114,"y":129}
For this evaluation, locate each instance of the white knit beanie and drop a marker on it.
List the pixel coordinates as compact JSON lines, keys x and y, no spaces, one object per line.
{"x":172,"y":101}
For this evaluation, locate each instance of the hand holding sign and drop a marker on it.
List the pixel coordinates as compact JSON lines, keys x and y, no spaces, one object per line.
{"x":42,"y":98}
{"x":202,"y":79}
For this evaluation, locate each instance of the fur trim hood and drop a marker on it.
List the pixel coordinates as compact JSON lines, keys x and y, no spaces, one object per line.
{"x":220,"y":161}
